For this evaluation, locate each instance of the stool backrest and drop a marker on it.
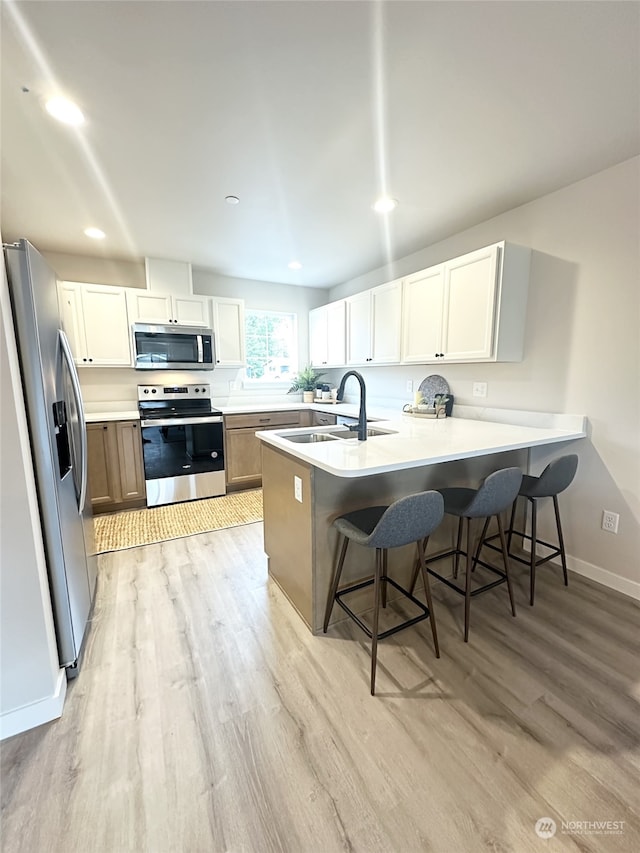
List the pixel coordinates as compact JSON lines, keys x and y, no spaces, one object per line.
{"x":556,"y":477}
{"x":407,"y":520}
{"x":497,"y":492}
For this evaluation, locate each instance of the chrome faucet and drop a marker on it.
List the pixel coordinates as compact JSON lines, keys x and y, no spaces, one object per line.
{"x":362,"y":417}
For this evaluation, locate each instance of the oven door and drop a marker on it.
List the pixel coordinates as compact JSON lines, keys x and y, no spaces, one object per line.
{"x":183,"y":459}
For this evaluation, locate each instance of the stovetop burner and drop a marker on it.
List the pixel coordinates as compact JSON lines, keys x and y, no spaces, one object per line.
{"x":162,"y":401}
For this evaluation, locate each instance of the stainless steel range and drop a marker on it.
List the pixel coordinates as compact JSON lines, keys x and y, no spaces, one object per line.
{"x":182,"y":443}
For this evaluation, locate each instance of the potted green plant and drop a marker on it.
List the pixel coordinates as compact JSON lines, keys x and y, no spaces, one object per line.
{"x":306,"y":381}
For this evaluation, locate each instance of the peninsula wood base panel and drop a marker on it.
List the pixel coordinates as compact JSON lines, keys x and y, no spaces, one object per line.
{"x":302,"y":544}
{"x":208,"y":717}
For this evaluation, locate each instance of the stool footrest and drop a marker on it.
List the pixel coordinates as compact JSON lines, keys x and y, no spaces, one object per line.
{"x":484,"y":588}
{"x":424,"y":614}
{"x":555,"y":551}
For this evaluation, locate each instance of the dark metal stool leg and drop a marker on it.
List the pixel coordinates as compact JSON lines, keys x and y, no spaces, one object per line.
{"x":476,"y":556}
{"x":563,"y":556}
{"x":376,"y":612}
{"x":384,"y":578}
{"x":334,"y":585}
{"x":416,"y":568}
{"x":467,"y":584}
{"x":511,"y":523}
{"x":505,"y":557}
{"x":458,"y":544}
{"x":422,"y":547}
{"x":534,"y":548}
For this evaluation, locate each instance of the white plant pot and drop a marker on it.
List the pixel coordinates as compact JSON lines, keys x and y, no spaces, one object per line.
{"x":307,"y":396}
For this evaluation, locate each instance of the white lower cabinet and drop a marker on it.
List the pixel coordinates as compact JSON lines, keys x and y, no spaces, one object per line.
{"x":94,"y":316}
{"x":469,"y":309}
{"x":228,"y":330}
{"x":373,"y":320}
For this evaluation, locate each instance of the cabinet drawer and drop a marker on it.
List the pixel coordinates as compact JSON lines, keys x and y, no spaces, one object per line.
{"x":262,"y":420}
{"x":323,"y":419}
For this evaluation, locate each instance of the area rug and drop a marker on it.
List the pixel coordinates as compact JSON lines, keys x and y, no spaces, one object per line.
{"x":120,"y":530}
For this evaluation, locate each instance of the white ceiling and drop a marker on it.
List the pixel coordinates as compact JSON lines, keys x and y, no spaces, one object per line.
{"x":306,"y":111}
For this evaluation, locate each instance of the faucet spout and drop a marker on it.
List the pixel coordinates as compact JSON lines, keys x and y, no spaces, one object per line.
{"x":362,"y":417}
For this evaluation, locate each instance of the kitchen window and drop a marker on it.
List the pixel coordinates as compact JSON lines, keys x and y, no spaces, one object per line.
{"x":271,"y":347}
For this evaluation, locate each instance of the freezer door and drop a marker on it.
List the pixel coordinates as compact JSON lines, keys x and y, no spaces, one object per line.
{"x":33,"y":289}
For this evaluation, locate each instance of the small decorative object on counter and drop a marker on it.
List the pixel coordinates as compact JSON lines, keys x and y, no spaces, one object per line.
{"x":440,"y":401}
{"x":306,"y":381}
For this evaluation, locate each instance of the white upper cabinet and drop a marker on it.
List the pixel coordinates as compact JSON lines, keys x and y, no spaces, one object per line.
{"x":422,"y":309}
{"x":373,"y":325}
{"x":146,"y":307}
{"x":228,"y":330}
{"x":327,"y":335}
{"x":94,"y":316}
{"x":469,"y":309}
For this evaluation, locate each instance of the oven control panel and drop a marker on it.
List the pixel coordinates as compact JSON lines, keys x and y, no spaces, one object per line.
{"x":201,"y":391}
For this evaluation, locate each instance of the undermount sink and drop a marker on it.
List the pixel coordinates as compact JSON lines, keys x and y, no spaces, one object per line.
{"x":310,"y":437}
{"x":371,"y":433}
{"x":313,"y":437}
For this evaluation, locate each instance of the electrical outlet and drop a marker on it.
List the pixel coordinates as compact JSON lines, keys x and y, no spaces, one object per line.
{"x":297,"y":488}
{"x":479,"y":389}
{"x":233,"y":386}
{"x":610,"y":521}
{"x":409,"y":385}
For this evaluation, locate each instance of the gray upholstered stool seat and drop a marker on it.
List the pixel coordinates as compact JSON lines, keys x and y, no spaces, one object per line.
{"x":494,"y":496}
{"x":407,"y":520}
{"x":556,"y":477}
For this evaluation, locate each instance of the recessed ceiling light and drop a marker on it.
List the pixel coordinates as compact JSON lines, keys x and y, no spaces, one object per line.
{"x":295,"y":265}
{"x":65,"y":111}
{"x":94,"y":233}
{"x":232,"y":199}
{"x":385,"y":205}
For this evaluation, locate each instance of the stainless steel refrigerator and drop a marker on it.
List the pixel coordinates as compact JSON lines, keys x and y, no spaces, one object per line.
{"x":58,"y":439}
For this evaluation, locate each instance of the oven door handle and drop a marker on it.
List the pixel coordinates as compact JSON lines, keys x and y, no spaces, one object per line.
{"x":162,"y":422}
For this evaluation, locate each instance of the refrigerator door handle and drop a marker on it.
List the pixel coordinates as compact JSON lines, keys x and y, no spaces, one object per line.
{"x":75,"y":383}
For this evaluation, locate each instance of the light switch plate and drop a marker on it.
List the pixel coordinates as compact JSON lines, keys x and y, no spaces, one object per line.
{"x":409,"y":385}
{"x":479,"y":389}
{"x":297,"y":488}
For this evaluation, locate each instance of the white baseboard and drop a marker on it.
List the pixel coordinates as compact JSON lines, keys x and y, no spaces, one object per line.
{"x":29,"y":716}
{"x":603,"y":576}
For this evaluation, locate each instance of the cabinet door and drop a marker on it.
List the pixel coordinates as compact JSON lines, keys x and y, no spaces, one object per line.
{"x":318,"y":336}
{"x":70,"y":307}
{"x":242,"y":457}
{"x":422,"y":311}
{"x":147,"y":307}
{"x":106,"y":325}
{"x":228,"y":328}
{"x":102,"y":465}
{"x":470,"y":288}
{"x":131,"y":469}
{"x":191,"y":310}
{"x":358,"y":314}
{"x":336,"y":333}
{"x":386,"y":302}
{"x":322,"y":419}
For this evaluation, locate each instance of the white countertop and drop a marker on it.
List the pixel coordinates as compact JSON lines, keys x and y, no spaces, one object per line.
{"x":126,"y":411}
{"x":422,"y":441}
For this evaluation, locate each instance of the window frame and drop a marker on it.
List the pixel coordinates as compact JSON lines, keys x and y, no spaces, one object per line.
{"x":272,"y":384}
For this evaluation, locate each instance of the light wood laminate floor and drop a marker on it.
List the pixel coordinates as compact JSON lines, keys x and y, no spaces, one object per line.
{"x":207,"y":718}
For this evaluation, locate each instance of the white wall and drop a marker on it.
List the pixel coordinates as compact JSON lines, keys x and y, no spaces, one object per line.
{"x":581,"y":350}
{"x":32,"y":684}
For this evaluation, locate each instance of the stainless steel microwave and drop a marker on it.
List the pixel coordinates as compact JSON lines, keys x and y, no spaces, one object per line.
{"x":159,"y":347}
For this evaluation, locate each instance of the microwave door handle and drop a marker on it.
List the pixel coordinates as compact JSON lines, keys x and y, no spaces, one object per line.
{"x":82,"y":424}
{"x":200,"y":352}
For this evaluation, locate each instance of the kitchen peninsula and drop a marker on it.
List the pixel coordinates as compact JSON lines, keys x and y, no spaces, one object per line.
{"x":307,"y":484}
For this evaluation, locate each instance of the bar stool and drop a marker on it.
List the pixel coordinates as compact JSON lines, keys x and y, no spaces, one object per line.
{"x":494,"y":496}
{"x":556,"y":477}
{"x":409,"y":519}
